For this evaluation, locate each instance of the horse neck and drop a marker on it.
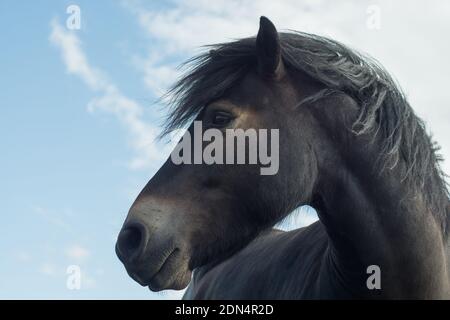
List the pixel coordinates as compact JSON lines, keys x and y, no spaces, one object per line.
{"x":374,"y":217}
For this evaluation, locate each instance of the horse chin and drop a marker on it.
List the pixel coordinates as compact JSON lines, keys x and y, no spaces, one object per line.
{"x":177,"y":281}
{"x":174,"y":273}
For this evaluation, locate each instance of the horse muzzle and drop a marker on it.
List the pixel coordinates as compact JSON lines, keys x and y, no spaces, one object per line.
{"x":152,"y":259}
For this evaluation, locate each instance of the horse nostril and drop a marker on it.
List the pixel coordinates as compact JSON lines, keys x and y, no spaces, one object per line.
{"x":131,"y":241}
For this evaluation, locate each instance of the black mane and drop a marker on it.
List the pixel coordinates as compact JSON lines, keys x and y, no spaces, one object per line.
{"x":384,"y":111}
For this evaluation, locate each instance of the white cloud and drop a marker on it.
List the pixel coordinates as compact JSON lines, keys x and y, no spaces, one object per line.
{"x":189,"y":24}
{"x":48,"y":269}
{"x":158,"y":76}
{"x":77,"y":252}
{"x":75,"y":59}
{"x":110,"y":100}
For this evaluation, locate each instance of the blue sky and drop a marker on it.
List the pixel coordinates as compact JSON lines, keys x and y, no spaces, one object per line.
{"x":67,"y":184}
{"x":78,"y":115}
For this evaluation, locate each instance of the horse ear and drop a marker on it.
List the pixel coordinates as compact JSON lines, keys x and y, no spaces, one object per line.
{"x":268,"y":50}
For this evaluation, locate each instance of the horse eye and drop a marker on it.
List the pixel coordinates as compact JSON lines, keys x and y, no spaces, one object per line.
{"x":221,"y":118}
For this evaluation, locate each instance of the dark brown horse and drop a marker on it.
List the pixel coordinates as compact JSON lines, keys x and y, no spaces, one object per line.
{"x":349,"y":145}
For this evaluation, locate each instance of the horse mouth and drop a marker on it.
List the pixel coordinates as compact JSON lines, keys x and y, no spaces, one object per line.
{"x":172,"y":273}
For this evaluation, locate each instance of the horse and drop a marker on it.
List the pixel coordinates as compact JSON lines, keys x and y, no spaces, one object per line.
{"x":350,"y":146}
